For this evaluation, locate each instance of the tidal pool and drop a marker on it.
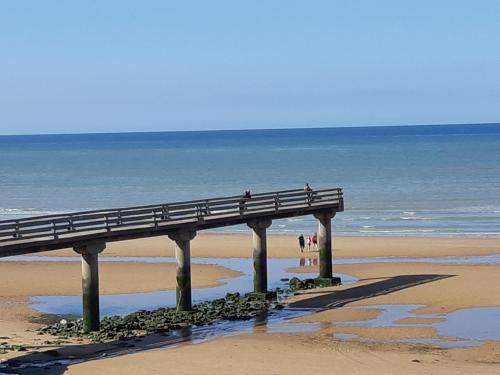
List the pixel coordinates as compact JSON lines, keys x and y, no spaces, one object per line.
{"x":473,"y":259}
{"x":275,"y":321}
{"x":312,"y":261}
{"x":465,"y":327}
{"x":121,"y":304}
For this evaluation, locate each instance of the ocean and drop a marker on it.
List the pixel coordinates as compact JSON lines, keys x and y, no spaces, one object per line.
{"x":402,"y":181}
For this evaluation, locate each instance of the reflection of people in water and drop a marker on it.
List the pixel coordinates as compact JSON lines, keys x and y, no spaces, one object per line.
{"x":305,"y":262}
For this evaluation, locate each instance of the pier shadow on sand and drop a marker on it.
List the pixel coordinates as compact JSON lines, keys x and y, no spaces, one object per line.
{"x":340,"y":298}
{"x":58,"y":360}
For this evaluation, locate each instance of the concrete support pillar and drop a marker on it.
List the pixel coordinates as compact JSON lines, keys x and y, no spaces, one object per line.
{"x":325,"y":243}
{"x":259,"y":227}
{"x":182,"y":240}
{"x":90,"y":283}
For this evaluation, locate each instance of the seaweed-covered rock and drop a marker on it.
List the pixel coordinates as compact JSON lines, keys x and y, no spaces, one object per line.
{"x":232,"y":307}
{"x":296,"y":284}
{"x":140,"y":323}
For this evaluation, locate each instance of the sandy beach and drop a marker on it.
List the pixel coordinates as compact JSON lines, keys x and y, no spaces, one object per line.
{"x":286,"y":246}
{"x":439,"y":289}
{"x":64,"y":278}
{"x":288,"y":354}
{"x":21,"y":280}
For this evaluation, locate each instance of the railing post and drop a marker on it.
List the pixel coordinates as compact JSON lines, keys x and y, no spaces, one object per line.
{"x":182,"y":240}
{"x":259,"y":227}
{"x":16,"y":230}
{"x":54,"y":228}
{"x":90,"y":283}
{"x":106,"y":217}
{"x":325,"y":243}
{"x":154,"y":219}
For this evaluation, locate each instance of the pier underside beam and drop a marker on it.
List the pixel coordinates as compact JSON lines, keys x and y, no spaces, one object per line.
{"x":182,"y":240}
{"x":259,"y":227}
{"x":325,"y":243}
{"x":90,"y":283}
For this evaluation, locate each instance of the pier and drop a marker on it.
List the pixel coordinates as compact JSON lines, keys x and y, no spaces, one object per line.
{"x":88,"y":232}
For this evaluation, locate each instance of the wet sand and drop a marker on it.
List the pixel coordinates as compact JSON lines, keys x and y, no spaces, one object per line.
{"x":285,"y":246}
{"x":64,"y":278}
{"x":287,"y":354}
{"x":21,"y":280}
{"x":440,"y":288}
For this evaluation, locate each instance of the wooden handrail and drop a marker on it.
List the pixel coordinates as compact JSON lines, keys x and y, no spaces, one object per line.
{"x":58,"y":226}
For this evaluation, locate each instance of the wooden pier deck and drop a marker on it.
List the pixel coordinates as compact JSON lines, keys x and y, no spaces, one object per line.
{"x":87,"y":233}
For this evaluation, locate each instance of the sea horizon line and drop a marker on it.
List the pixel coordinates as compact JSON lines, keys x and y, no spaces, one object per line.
{"x":243,"y":130}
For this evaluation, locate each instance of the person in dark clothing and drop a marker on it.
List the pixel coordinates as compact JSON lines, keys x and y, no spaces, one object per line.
{"x":302,"y":243}
{"x":245,"y":197}
{"x":308,"y":191}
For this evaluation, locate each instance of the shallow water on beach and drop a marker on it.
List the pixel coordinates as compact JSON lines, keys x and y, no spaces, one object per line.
{"x":276,"y":321}
{"x":461,"y":328}
{"x":428,"y":341}
{"x":302,"y":262}
{"x":121,"y":304}
{"x":471,"y":259}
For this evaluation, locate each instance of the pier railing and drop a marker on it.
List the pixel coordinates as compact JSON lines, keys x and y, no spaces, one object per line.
{"x":164,"y":216}
{"x":88,"y":233}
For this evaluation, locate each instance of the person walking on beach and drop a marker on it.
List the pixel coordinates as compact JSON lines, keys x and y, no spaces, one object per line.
{"x":315,"y":241}
{"x":302,"y":243}
{"x":309,"y":240}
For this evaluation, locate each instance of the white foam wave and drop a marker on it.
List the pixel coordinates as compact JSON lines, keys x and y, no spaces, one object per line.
{"x":477,"y":209}
{"x":8,"y":213}
{"x":415,"y":218}
{"x":399,"y":231}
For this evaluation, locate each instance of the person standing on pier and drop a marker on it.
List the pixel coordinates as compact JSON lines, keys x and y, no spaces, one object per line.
{"x":302,"y":243}
{"x":242,"y":202}
{"x":309,"y":240}
{"x":308,"y":190}
{"x":315,"y":241}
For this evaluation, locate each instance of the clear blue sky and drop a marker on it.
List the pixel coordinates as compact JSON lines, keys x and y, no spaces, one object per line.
{"x":94,"y":66}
